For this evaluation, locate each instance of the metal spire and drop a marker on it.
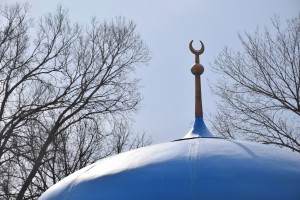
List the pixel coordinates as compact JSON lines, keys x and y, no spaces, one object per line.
{"x":199,"y":129}
{"x":197,"y":70}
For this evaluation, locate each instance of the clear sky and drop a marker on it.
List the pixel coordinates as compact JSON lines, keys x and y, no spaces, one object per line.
{"x":167,"y":26}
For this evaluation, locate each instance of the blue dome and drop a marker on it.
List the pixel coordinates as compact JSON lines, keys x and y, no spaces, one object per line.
{"x":193,"y":168}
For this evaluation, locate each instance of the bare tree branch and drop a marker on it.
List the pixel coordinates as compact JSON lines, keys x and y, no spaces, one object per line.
{"x":259,"y":89}
{"x":62,"y":85}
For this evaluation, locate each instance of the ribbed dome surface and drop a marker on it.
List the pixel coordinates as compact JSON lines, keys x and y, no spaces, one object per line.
{"x":196,"y":168}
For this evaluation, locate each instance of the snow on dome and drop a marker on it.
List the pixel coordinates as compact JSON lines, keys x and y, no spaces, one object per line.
{"x":198,"y":168}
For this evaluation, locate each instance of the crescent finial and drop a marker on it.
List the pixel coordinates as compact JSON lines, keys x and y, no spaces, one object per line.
{"x":197,"y":70}
{"x":196,"y":52}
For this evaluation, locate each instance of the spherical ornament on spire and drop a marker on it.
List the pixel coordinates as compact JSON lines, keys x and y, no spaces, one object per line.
{"x":197,"y":69}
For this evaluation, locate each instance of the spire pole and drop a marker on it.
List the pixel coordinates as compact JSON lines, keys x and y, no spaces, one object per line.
{"x":199,"y":129}
{"x":197,"y":70}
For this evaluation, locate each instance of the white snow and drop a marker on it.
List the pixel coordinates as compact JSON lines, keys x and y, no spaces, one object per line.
{"x":199,"y":168}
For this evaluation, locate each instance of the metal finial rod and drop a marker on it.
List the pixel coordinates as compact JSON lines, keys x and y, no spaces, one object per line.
{"x":197,"y":70}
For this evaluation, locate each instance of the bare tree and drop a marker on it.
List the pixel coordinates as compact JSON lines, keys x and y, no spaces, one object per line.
{"x":260,"y":87}
{"x":59,"y":84}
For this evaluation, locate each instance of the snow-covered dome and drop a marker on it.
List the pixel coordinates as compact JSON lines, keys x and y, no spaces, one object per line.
{"x":199,"y":166}
{"x":191,"y":168}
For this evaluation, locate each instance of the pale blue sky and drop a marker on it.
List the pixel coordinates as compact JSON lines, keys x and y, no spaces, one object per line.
{"x":167,"y":26}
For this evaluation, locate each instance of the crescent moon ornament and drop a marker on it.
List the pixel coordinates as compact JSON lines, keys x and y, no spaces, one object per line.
{"x":196,"y":52}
